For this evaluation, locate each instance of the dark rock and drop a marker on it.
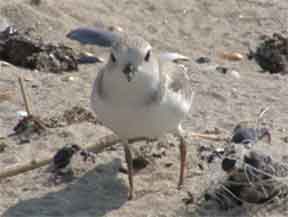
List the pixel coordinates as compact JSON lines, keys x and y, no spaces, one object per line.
{"x":62,"y":158}
{"x":246,"y":135}
{"x":222,"y":69}
{"x":253,"y":180}
{"x":202,"y":60}
{"x":228,"y":164}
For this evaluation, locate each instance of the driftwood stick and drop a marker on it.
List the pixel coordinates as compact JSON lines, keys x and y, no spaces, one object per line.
{"x":24,"y":95}
{"x":103,"y":143}
{"x":24,"y":168}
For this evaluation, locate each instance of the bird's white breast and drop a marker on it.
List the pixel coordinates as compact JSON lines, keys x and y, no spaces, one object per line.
{"x":124,"y":108}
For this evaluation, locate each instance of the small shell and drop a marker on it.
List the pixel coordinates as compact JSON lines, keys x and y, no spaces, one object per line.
{"x":175,"y":57}
{"x":220,"y":150}
{"x":69,"y":78}
{"x":202,"y":60}
{"x":233,"y":56}
{"x":87,"y":57}
{"x":115,"y":29}
{"x":234,"y":92}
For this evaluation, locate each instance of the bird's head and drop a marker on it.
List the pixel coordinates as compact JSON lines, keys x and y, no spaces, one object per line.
{"x":131,"y":54}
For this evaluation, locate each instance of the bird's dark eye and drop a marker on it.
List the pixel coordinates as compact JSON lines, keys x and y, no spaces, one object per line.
{"x":113,"y":58}
{"x":147,"y":57}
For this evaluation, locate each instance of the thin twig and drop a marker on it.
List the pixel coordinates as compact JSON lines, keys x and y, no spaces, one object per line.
{"x":212,"y":137}
{"x":260,"y":115}
{"x":262,"y":112}
{"x":24,"y":95}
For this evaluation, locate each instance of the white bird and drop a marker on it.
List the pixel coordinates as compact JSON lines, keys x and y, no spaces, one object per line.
{"x":138,"y":94}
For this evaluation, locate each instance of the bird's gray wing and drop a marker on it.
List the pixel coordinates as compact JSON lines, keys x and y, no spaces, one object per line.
{"x":176,"y":78}
{"x":94,"y":36}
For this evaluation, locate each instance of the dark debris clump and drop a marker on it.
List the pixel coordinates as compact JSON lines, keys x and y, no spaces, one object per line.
{"x":79,"y":114}
{"x":30,"y":122}
{"x":76,"y":114}
{"x":252,"y":179}
{"x":27,"y":127}
{"x":272,"y":54}
{"x":22,"y":50}
{"x":209,"y":153}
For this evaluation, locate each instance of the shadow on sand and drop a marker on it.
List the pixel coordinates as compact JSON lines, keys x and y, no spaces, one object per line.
{"x":94,"y":194}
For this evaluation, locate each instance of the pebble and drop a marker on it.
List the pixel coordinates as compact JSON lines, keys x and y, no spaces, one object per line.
{"x":69,"y":78}
{"x":3,"y":146}
{"x":235,"y":74}
{"x":115,"y":29}
{"x":202,"y":60}
{"x":285,"y":139}
{"x":221,"y":69}
{"x":234,"y":90}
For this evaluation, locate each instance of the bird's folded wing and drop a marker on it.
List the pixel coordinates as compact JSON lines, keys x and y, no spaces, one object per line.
{"x":176,"y":78}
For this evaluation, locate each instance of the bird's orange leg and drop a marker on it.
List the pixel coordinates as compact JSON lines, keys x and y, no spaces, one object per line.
{"x":183,"y":154}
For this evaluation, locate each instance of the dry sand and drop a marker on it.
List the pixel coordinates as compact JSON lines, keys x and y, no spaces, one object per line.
{"x":194,"y":28}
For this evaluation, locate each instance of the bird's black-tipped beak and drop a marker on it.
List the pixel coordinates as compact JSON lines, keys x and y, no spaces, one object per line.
{"x":129,"y":71}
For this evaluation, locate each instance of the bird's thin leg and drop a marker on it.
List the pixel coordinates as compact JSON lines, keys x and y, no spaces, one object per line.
{"x":183,"y":153}
{"x":128,"y":157}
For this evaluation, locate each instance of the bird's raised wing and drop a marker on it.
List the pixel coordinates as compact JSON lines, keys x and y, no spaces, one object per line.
{"x":94,"y":36}
{"x":177,"y":78}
